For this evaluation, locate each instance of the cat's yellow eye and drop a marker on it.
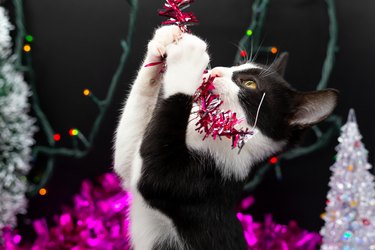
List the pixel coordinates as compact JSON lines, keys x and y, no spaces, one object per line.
{"x":250,"y":84}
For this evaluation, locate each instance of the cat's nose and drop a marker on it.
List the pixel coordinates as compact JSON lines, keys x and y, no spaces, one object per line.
{"x":217,"y":72}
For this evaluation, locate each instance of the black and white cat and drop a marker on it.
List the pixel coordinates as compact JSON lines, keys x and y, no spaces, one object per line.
{"x":184,"y":189}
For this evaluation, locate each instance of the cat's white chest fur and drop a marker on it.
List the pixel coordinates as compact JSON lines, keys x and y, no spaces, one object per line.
{"x":149,"y":226}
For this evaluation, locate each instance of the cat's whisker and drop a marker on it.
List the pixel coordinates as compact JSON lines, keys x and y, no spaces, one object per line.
{"x":251,"y":50}
{"x":239,"y":49}
{"x":269,"y":70}
{"x":257,"y":115}
{"x":258,"y":50}
{"x":270,"y":73}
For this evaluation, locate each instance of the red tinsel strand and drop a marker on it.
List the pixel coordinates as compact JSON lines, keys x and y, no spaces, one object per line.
{"x":173,"y":11}
{"x":215,"y":122}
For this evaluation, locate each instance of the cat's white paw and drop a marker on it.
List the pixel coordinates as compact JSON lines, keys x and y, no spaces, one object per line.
{"x":186,"y":62}
{"x":162,"y":38}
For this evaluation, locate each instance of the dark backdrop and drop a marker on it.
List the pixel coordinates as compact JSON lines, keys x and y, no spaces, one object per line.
{"x":77,"y":46}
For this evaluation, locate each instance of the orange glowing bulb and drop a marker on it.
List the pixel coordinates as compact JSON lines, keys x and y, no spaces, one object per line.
{"x":27,"y":48}
{"x":86,"y":92}
{"x":274,"y":50}
{"x":42,"y":191}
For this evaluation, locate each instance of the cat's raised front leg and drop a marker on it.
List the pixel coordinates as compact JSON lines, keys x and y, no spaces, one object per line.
{"x":141,"y":102}
{"x":164,"y":152}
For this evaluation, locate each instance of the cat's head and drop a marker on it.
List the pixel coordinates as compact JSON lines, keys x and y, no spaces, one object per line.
{"x":283,"y":114}
{"x":284,"y":111}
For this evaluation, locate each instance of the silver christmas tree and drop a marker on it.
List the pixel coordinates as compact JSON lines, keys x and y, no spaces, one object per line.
{"x":350,"y":212}
{"x":16,"y":131}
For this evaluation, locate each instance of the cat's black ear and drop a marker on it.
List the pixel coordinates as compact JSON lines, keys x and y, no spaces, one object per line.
{"x":280,"y":63}
{"x":313,"y":107}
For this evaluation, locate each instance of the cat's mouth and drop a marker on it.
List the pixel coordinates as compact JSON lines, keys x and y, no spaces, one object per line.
{"x":219,"y":86}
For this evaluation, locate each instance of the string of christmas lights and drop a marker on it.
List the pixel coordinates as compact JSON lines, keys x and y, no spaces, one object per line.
{"x":81,"y":144}
{"x":251,"y":40}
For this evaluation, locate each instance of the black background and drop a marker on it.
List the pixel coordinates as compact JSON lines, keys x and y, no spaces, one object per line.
{"x":77,"y":46}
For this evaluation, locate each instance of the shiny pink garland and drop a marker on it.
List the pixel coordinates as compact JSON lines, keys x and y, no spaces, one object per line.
{"x":99,"y":220}
{"x":173,"y":11}
{"x":215,"y":122}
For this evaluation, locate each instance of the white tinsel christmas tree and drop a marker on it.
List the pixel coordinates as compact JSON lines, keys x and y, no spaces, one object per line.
{"x":350,"y":211}
{"x":16,"y":131}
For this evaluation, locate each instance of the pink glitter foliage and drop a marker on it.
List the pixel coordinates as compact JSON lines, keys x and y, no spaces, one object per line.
{"x":99,"y":221}
{"x":215,"y":122}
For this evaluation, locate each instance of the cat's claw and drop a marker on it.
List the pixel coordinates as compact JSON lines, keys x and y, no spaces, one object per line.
{"x":156,"y":49}
{"x":163,"y":37}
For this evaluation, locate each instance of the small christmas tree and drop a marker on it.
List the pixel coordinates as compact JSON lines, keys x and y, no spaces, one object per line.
{"x":350,"y":212}
{"x":16,"y":131}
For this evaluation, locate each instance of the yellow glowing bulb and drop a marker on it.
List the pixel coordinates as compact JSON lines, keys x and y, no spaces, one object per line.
{"x":350,"y":168}
{"x":353,"y":204}
{"x":274,"y":50}
{"x":86,"y":92}
{"x":42,"y":191}
{"x":27,"y":48}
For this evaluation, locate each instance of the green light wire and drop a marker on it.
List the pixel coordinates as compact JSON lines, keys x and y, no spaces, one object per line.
{"x":252,"y":43}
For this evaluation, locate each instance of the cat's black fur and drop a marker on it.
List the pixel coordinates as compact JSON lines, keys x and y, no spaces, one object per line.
{"x":186,"y":185}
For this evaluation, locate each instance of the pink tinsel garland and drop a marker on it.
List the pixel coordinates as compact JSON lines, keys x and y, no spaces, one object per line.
{"x":215,"y":122}
{"x":99,"y":221}
{"x":173,"y":11}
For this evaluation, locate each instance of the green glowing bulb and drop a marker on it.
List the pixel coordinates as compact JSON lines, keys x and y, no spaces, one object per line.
{"x":29,"y":38}
{"x":347,"y":235}
{"x":73,"y":132}
{"x":249,"y":32}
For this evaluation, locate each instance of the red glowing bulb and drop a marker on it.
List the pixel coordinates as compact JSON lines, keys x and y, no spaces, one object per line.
{"x":274,"y":160}
{"x":243,"y":53}
{"x":365,"y":222}
{"x":56,"y":137}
